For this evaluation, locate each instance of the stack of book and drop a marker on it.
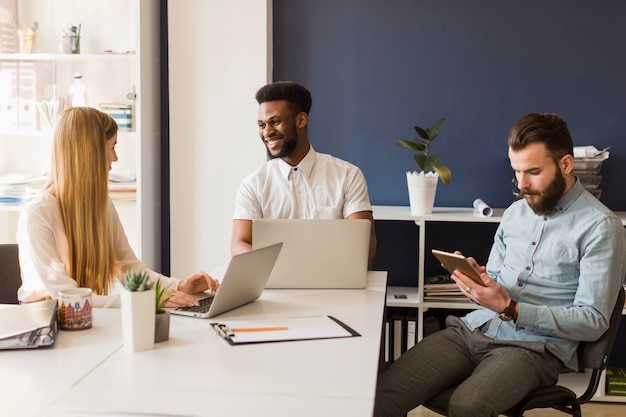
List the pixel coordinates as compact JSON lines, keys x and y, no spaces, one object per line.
{"x":122,"y":190}
{"x":615,"y":381}
{"x":442,"y":288}
{"x":20,"y":188}
{"x":121,"y":113}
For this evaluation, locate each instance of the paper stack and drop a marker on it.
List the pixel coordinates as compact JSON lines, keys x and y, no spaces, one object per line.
{"x":587,"y":165}
{"x":20,"y":188}
{"x":442,"y":288}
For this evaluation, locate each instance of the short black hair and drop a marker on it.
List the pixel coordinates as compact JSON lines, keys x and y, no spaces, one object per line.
{"x":298,"y":97}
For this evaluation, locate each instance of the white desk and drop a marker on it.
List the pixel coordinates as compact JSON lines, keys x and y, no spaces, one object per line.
{"x":197,"y":373}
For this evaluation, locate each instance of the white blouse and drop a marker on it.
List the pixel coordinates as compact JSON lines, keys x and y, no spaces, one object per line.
{"x":43,"y":253}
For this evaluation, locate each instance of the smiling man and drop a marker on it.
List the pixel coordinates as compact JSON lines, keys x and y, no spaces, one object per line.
{"x":296,"y":182}
{"x":552,"y":279}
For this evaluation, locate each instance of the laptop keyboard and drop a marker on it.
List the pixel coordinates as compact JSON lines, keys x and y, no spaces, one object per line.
{"x":204,"y":306}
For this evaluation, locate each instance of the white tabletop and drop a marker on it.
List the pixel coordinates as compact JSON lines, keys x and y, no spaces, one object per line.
{"x":197,"y":373}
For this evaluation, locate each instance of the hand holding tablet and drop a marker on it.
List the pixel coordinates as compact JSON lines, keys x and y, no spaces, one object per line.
{"x":452,"y":261}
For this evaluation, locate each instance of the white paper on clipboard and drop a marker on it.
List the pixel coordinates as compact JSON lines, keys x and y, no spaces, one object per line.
{"x":292,"y":329}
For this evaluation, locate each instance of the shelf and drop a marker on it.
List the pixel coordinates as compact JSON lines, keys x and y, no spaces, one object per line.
{"x":43,"y":134}
{"x":443,"y":214}
{"x":461,"y":305}
{"x":47,"y":73}
{"x":411,"y":300}
{"x":447,"y":214}
{"x":12,"y":206}
{"x":67,"y":57}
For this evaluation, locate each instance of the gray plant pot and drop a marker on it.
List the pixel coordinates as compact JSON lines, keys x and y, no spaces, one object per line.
{"x":162,"y":326}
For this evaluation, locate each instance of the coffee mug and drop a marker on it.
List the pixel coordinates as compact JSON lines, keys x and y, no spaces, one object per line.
{"x":75,"y":309}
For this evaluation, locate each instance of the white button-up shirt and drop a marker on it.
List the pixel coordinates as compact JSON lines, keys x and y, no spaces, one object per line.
{"x":319,"y":187}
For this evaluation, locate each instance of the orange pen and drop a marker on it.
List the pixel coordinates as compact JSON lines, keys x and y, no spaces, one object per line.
{"x":258,"y":329}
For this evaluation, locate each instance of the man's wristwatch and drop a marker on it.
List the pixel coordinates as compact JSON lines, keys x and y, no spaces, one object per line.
{"x":509,"y":313}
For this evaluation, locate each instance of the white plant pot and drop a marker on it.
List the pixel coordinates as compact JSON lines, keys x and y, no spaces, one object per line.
{"x":422,"y":189}
{"x":138,"y":319}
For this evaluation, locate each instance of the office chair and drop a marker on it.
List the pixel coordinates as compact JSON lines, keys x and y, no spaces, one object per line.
{"x":10,"y":278}
{"x":592,"y":356}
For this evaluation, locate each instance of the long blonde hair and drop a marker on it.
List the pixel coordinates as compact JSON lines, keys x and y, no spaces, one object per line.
{"x":79,"y":175}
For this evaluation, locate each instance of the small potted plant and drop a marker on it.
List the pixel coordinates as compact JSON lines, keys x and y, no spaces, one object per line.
{"x":138,"y":312}
{"x":162,"y":316}
{"x":423,"y":185}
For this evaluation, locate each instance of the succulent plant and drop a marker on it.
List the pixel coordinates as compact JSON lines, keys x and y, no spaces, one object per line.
{"x":424,"y":160}
{"x":135,"y":281}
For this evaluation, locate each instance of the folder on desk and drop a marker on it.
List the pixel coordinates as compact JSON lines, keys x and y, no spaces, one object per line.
{"x":241,"y":332}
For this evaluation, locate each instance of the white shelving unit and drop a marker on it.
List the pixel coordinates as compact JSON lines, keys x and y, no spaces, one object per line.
{"x":119,"y":62}
{"x":415,"y":295}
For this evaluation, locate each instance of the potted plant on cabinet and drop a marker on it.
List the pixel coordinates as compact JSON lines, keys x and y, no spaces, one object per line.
{"x":422,"y":185}
{"x":138,"y":312}
{"x":162,"y":316}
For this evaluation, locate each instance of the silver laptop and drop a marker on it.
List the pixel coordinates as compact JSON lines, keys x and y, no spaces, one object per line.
{"x":243,"y":283}
{"x":28,"y":326}
{"x":323,"y":253}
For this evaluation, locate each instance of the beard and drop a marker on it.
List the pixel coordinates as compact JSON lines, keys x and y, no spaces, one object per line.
{"x":289,"y":142}
{"x":548,"y":198}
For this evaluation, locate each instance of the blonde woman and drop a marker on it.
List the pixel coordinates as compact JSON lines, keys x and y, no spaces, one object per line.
{"x":70,"y":235}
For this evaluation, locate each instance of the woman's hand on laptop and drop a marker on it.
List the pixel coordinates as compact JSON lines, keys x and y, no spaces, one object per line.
{"x":180,"y":299}
{"x":199,"y":282}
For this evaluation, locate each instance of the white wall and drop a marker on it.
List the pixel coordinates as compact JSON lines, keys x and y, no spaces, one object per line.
{"x":219,"y":55}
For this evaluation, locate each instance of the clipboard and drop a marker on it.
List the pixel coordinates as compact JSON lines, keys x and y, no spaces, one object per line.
{"x":243,"y":332}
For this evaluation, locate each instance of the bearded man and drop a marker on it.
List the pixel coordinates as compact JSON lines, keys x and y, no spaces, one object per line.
{"x":552,"y":279}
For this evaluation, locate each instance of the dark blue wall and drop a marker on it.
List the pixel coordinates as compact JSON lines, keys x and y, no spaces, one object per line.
{"x":377,"y":68}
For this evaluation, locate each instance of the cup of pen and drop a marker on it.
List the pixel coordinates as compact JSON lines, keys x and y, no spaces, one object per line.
{"x":71,"y":38}
{"x":27,"y":40}
{"x":71,"y":44}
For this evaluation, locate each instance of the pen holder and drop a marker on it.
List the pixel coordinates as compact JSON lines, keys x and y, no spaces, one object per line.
{"x":71,"y":44}
{"x":26,"y":42}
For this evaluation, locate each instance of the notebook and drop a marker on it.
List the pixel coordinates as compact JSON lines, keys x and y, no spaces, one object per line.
{"x":322,"y":253}
{"x":243,"y":283}
{"x":28,"y":326}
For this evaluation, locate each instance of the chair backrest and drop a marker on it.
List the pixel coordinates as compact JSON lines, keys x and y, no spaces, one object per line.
{"x":10,"y":278}
{"x":594,"y":355}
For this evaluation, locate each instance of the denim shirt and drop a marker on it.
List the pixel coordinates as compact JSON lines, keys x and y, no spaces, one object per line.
{"x":564,"y":269}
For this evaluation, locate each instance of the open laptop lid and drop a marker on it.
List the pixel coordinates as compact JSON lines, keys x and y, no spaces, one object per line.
{"x":243,"y":281}
{"x":322,"y":253}
{"x":28,"y":326}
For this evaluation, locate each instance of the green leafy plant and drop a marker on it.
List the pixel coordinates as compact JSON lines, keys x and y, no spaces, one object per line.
{"x":135,"y":281}
{"x":423,"y":158}
{"x":161,"y":297}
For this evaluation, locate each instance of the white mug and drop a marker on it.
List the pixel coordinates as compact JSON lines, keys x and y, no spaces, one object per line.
{"x":75,"y":306}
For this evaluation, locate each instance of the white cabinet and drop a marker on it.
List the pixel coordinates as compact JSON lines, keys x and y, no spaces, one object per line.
{"x":119,"y":63}
{"x":415,"y":294}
